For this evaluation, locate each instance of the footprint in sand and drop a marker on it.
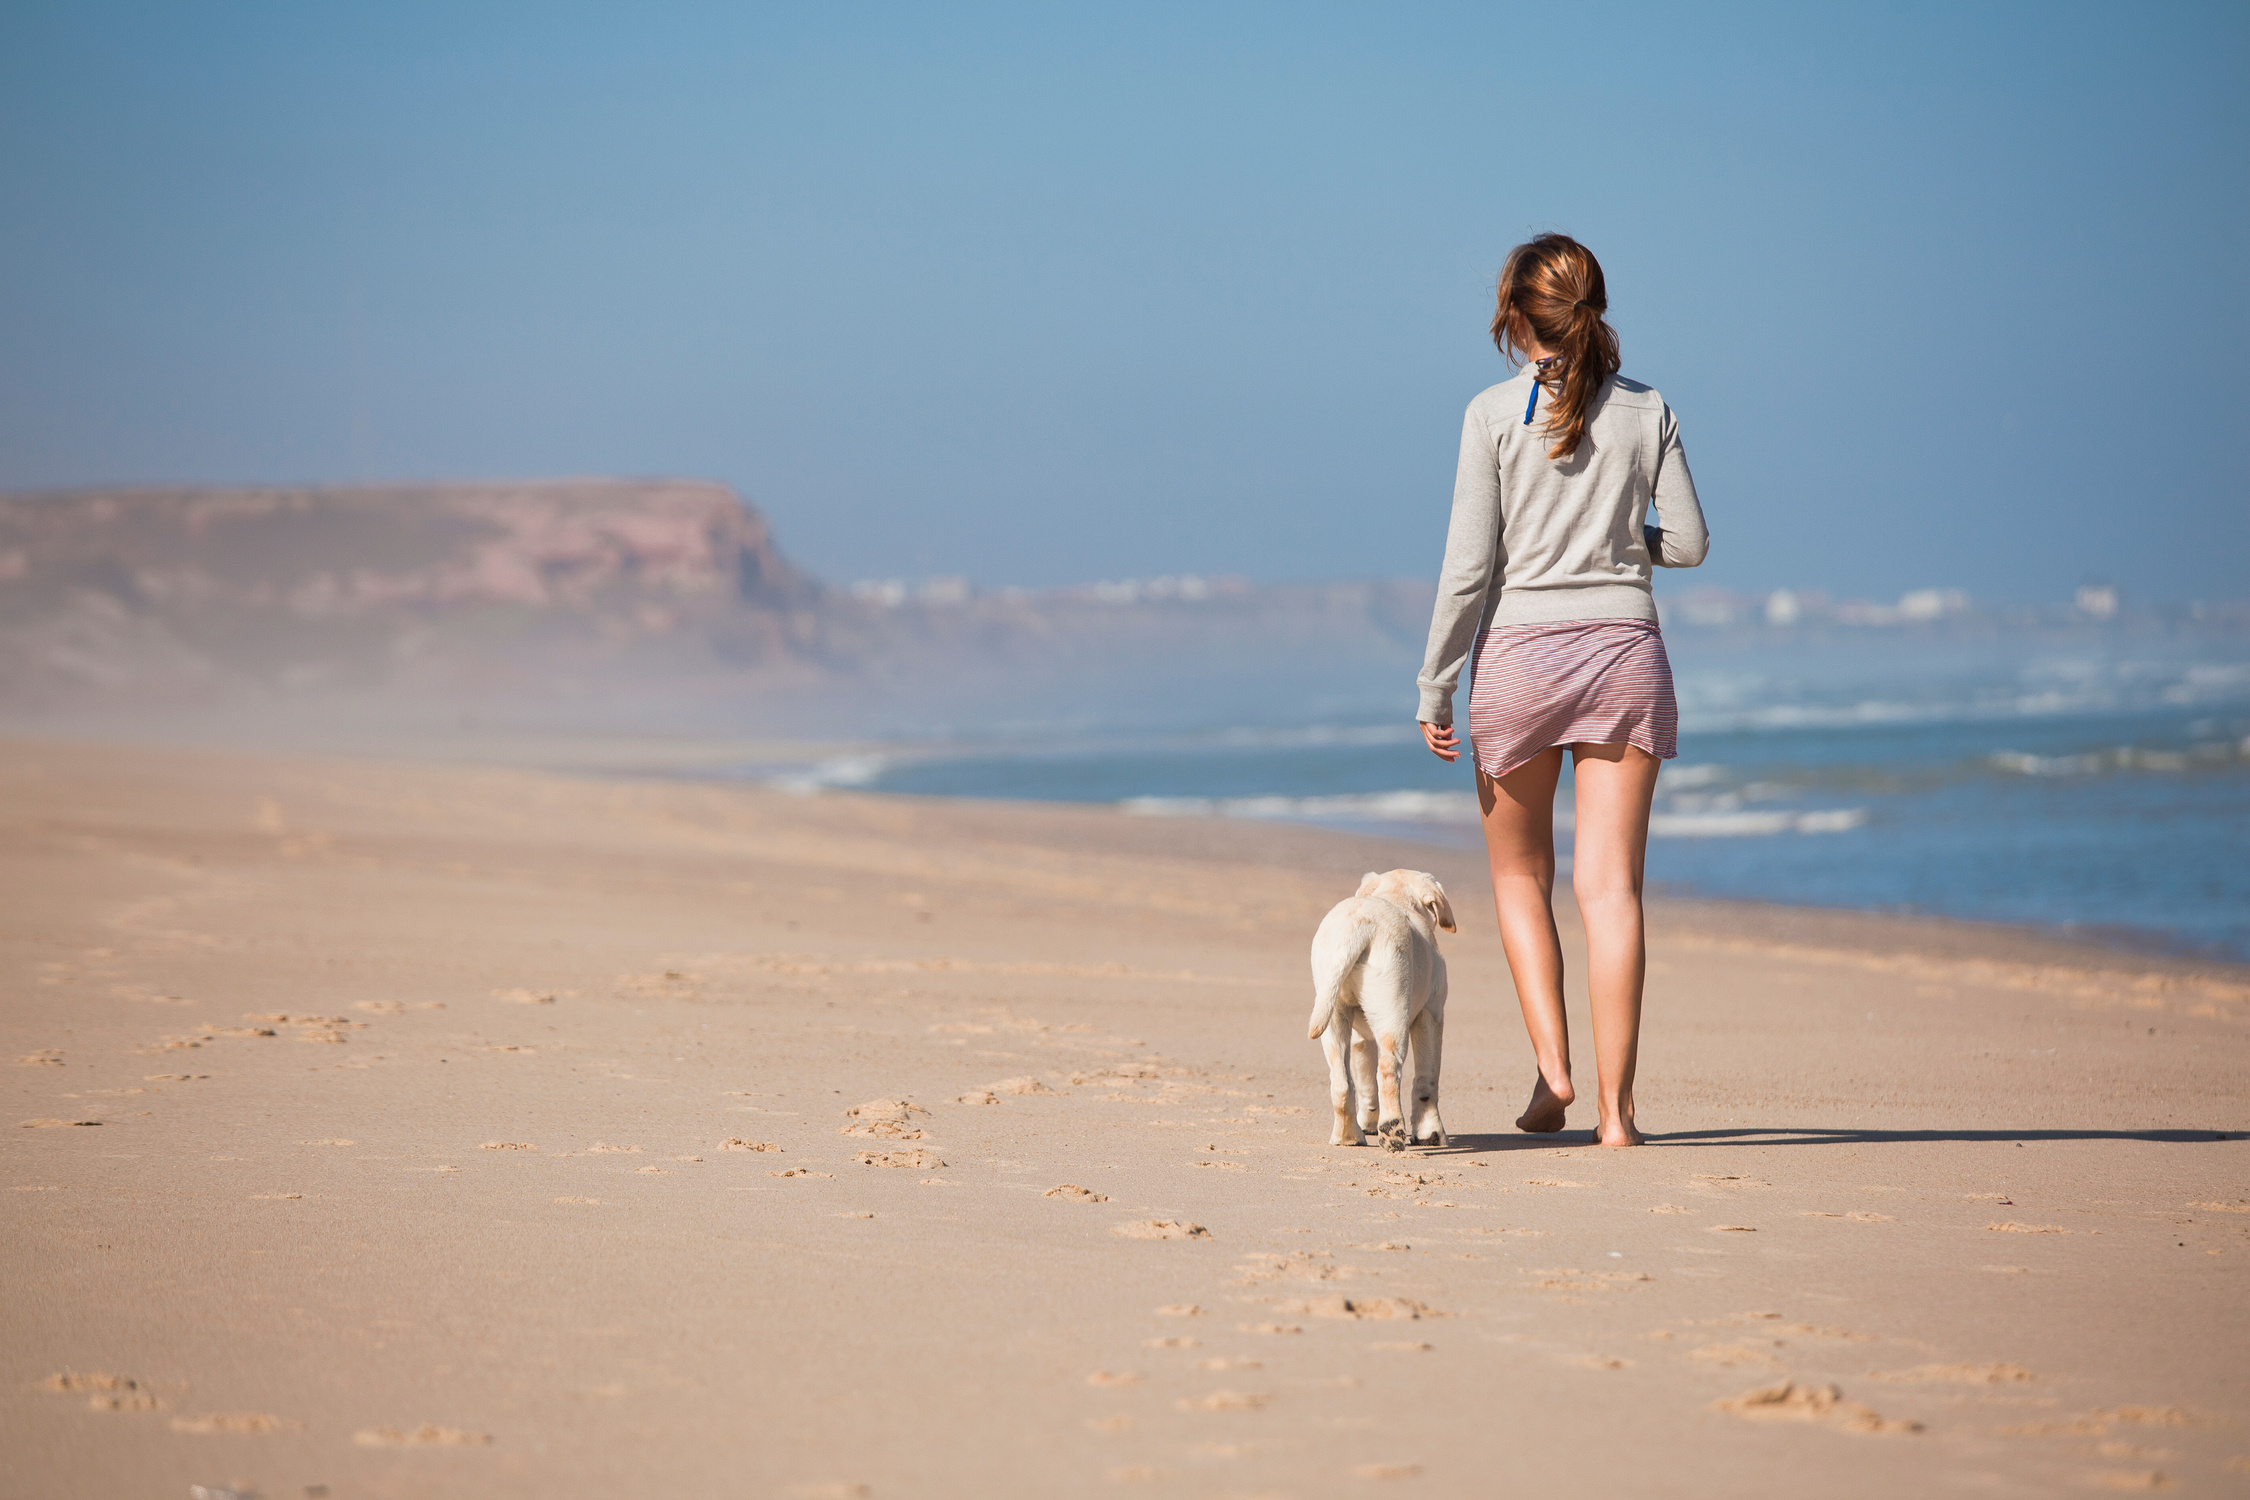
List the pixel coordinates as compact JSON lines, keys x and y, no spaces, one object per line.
{"x":1075,"y":1194}
{"x":524,"y":997}
{"x":919,"y":1160}
{"x":1790,"y":1402}
{"x":428,"y":1435}
{"x":251,"y":1422}
{"x":47,"y":1058}
{"x":1180,"y":1310}
{"x":1162,"y":1229}
{"x":103,"y":1392}
{"x":889,"y":1118}
{"x":1960,"y":1375}
{"x":509,"y":1146}
{"x":54,"y":1124}
{"x":1359,"y":1308}
{"x":800,"y":1172}
{"x":1020,"y":1087}
{"x":2011,"y":1227}
{"x":598,"y":1149}
{"x":737,"y":1143}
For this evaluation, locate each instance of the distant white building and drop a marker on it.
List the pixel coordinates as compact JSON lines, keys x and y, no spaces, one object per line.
{"x":1932,"y":604}
{"x":886,"y":593}
{"x":2097,"y":601}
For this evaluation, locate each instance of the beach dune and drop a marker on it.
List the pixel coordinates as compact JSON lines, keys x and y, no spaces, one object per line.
{"x":405,"y":1129}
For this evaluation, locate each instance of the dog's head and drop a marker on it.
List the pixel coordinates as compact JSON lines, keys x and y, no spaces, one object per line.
{"x":1408,"y":889}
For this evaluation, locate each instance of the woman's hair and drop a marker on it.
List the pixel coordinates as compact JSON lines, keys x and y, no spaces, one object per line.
{"x":1552,"y":294}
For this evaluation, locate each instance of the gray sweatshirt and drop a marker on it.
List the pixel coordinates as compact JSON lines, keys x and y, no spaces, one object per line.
{"x":1535,"y":539}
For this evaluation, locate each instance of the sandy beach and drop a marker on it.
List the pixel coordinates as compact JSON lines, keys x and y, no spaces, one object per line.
{"x":391,"y":1129}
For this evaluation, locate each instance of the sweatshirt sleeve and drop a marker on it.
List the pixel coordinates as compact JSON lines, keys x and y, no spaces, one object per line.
{"x":1474,"y":553}
{"x":1678,"y":538}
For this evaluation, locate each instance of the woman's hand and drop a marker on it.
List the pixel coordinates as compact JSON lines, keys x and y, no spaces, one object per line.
{"x":1442,"y":741}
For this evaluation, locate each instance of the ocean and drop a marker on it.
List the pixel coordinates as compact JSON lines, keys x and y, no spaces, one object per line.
{"x":2093,"y":783}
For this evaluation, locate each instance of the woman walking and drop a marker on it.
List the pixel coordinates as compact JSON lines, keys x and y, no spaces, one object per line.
{"x":1546,"y":586}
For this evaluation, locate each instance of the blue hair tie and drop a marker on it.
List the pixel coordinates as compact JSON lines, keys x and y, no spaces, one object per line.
{"x":1533,"y":404}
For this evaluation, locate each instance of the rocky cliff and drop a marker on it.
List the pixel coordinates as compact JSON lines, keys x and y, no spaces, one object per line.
{"x":645,"y":603}
{"x":191,"y":594}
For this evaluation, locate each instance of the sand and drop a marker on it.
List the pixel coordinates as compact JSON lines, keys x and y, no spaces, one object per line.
{"x":396,"y":1129}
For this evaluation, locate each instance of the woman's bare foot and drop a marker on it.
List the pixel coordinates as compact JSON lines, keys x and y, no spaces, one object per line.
{"x":1616,"y":1132}
{"x":1544,"y":1114}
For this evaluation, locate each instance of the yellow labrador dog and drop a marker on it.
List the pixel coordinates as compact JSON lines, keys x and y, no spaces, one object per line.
{"x":1378,"y":977}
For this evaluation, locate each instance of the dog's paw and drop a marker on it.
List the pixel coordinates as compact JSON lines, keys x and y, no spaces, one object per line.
{"x":1394,"y":1139}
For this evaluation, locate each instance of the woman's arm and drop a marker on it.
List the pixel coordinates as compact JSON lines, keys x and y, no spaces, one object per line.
{"x":1473,"y":558}
{"x":1678,"y":539}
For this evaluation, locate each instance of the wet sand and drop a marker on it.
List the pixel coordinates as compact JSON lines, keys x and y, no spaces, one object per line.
{"x":395,"y":1129}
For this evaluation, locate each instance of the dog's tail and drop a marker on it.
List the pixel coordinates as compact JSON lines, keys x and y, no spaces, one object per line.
{"x":1335,"y":954}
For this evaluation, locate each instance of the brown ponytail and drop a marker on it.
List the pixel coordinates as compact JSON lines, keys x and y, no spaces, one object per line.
{"x":1552,"y":294}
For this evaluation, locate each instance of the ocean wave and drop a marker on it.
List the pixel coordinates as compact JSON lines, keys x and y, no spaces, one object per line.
{"x":2120,"y":758}
{"x":839,"y":772}
{"x":1382,"y":807}
{"x":1737,"y":825}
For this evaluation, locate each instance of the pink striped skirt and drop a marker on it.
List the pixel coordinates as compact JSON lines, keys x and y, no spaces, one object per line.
{"x":1570,"y":682}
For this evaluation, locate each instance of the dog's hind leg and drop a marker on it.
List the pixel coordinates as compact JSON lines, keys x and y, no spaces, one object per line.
{"x":1390,"y":1085}
{"x":1429,"y":1045}
{"x":1363,"y":1073}
{"x":1336,"y":1042}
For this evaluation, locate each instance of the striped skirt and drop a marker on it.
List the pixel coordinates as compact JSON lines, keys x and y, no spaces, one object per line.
{"x":1570,"y":682}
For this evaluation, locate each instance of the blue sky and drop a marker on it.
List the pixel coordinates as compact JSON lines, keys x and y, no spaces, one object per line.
{"x":1944,"y":295}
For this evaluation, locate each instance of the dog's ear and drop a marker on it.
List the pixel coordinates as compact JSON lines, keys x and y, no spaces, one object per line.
{"x":1367,"y":884}
{"x":1440,"y":908}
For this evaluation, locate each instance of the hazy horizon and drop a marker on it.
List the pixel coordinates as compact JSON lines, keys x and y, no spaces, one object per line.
{"x":1944,"y":300}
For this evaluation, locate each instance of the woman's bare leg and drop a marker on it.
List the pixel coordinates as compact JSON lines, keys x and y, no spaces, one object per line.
{"x":1519,"y":838}
{"x":1615,"y":785}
